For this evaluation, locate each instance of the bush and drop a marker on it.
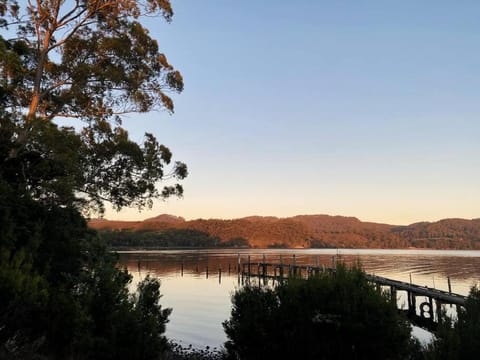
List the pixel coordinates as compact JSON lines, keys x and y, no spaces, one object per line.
{"x":461,"y":339}
{"x":339,"y":316}
{"x":61,"y":294}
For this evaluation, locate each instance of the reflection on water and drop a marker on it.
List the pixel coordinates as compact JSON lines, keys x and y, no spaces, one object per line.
{"x":200,"y":298}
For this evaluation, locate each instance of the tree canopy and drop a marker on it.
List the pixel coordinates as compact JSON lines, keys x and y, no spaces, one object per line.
{"x":86,"y":58}
{"x":93,"y":61}
{"x":61,"y":294}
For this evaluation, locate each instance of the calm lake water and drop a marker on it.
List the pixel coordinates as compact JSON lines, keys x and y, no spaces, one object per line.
{"x":201,"y":299}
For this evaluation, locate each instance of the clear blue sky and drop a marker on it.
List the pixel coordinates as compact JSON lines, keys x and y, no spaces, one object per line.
{"x":361,"y":108}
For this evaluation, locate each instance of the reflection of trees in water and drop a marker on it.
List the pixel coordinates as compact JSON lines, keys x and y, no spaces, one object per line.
{"x":395,"y":265}
{"x":168,"y":264}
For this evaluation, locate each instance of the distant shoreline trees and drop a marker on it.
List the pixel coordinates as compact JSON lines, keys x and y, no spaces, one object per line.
{"x":169,"y":238}
{"x":319,"y":231}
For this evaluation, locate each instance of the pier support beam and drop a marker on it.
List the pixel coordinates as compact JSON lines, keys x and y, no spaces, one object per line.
{"x":412,"y":304}
{"x":393,"y":294}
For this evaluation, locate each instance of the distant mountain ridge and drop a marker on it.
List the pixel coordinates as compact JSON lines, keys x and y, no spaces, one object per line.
{"x":316,"y":231}
{"x":166,"y":218}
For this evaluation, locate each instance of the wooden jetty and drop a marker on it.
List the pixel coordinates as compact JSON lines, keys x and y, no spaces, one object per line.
{"x":424,"y":304}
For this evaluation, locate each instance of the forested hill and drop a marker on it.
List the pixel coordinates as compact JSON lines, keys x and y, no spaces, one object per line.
{"x":310,"y":231}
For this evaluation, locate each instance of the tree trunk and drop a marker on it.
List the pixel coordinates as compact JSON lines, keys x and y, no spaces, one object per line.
{"x":37,"y":84}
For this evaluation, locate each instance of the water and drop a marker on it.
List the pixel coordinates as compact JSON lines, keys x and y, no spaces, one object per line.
{"x":201,"y":299}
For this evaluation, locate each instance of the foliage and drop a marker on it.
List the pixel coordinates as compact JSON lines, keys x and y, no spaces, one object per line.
{"x":91,"y":60}
{"x":88,"y":59}
{"x":458,"y":340}
{"x":167,"y":238}
{"x":159,"y":239}
{"x":235,"y":242}
{"x":62,"y":167}
{"x":62,"y":295}
{"x":338,"y":316}
{"x":178,"y":352}
{"x":323,"y":231}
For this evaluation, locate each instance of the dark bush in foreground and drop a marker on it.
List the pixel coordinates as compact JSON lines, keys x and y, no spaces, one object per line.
{"x":459,"y":340}
{"x":179,"y":352}
{"x":61,"y":294}
{"x":337,"y":316}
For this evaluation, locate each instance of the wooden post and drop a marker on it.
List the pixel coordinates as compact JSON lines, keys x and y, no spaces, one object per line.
{"x":206,"y":272}
{"x":294,"y":265}
{"x":281,"y":267}
{"x":393,"y":294}
{"x":430,"y":311}
{"x":414,"y":304}
{"x":249,"y":268}
{"x":238,"y":262}
{"x":182,"y":266}
{"x":264,"y":270}
{"x":438,"y":306}
{"x":449,"y":287}
{"x":410,"y":303}
{"x":219,"y":275}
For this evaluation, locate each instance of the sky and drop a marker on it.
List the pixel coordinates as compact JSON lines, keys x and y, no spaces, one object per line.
{"x":358,"y":108}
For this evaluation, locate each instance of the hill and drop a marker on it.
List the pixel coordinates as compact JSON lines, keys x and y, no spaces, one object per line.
{"x":307,"y":231}
{"x":166,"y":219}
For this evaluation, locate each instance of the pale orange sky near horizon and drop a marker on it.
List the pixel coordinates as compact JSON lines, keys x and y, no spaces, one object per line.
{"x":367,"y":109}
{"x":380,"y":210}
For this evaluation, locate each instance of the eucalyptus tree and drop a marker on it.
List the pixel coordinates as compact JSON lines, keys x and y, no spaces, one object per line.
{"x":91,"y":60}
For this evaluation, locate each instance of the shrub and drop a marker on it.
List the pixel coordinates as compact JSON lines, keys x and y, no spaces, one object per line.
{"x":461,"y":339}
{"x":338,"y":316}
